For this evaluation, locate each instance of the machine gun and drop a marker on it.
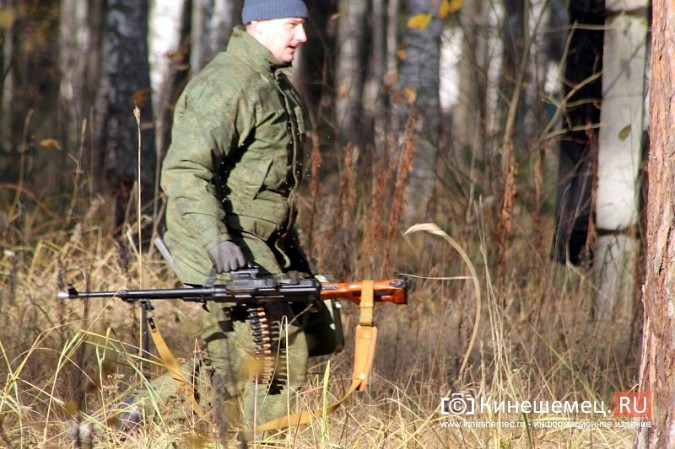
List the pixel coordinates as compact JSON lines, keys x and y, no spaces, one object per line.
{"x":248,"y":288}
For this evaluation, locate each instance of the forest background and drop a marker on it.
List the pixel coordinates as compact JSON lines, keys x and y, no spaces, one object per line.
{"x":522,"y":129}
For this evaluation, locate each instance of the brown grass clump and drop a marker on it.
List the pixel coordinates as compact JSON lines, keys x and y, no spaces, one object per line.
{"x":64,"y":361}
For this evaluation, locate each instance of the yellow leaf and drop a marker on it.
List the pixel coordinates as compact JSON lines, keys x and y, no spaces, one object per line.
{"x":140,"y":97}
{"x":50,"y":144}
{"x":449,"y":6}
{"x":624,"y":133}
{"x":7,"y":18}
{"x":419,"y":21}
{"x":454,"y":5}
{"x":410,"y":94}
{"x":443,"y":10}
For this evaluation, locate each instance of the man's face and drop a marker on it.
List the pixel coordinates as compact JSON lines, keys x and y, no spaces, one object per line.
{"x":281,"y":37}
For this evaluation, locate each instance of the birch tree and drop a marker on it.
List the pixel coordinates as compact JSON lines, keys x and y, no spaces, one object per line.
{"x":469,"y":115}
{"x":351,"y":71}
{"x":172,"y":49}
{"x":419,"y":84}
{"x":79,"y":52}
{"x":212,"y":24}
{"x":619,"y":160}
{"x":384,"y":66}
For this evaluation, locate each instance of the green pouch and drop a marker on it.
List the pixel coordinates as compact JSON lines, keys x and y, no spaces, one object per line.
{"x":323,"y":328}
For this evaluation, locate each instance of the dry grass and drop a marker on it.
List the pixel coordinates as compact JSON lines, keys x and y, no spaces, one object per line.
{"x":534,"y":343}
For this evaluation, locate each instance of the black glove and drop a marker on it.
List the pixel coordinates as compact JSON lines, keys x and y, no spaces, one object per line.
{"x":227,"y":256}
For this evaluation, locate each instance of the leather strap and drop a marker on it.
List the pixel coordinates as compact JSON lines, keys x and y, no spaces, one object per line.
{"x":173,"y":366}
{"x":365,"y":336}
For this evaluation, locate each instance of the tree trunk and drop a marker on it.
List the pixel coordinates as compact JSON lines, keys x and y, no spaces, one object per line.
{"x":379,"y":84}
{"x":510,"y":109}
{"x":34,"y":92}
{"x":74,"y":43}
{"x":385,"y":68}
{"x":78,"y":48}
{"x":619,"y":159}
{"x":582,"y":89}
{"x":95,"y":56}
{"x":514,"y":35}
{"x":5,"y":66}
{"x":657,"y":371}
{"x":469,"y":115}
{"x":125,"y":85}
{"x":173,"y":74}
{"x":212,"y":24}
{"x":351,"y":70}
{"x":419,"y":83}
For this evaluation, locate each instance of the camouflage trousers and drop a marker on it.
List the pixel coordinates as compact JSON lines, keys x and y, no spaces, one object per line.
{"x":253,"y":382}
{"x":254,"y":360}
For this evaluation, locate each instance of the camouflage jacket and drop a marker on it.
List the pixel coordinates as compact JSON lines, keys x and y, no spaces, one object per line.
{"x":235,"y":159}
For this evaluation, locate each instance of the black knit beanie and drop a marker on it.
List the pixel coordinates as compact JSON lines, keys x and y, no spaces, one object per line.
{"x":273,"y":9}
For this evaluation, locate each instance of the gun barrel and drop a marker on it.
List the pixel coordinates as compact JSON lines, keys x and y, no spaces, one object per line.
{"x":135,"y":295}
{"x":307,"y":290}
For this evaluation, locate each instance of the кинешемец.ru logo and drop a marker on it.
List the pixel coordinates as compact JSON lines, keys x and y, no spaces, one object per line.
{"x":627,"y":404}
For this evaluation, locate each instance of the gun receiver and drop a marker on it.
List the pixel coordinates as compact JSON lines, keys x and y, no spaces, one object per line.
{"x":246,"y":287}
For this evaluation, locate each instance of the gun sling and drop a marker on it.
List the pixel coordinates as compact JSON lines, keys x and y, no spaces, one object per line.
{"x":172,"y":365}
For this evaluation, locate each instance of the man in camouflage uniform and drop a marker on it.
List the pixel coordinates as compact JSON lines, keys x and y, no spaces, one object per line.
{"x":230,"y":176}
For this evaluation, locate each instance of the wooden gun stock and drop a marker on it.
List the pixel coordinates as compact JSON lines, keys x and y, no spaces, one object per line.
{"x":387,"y":290}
